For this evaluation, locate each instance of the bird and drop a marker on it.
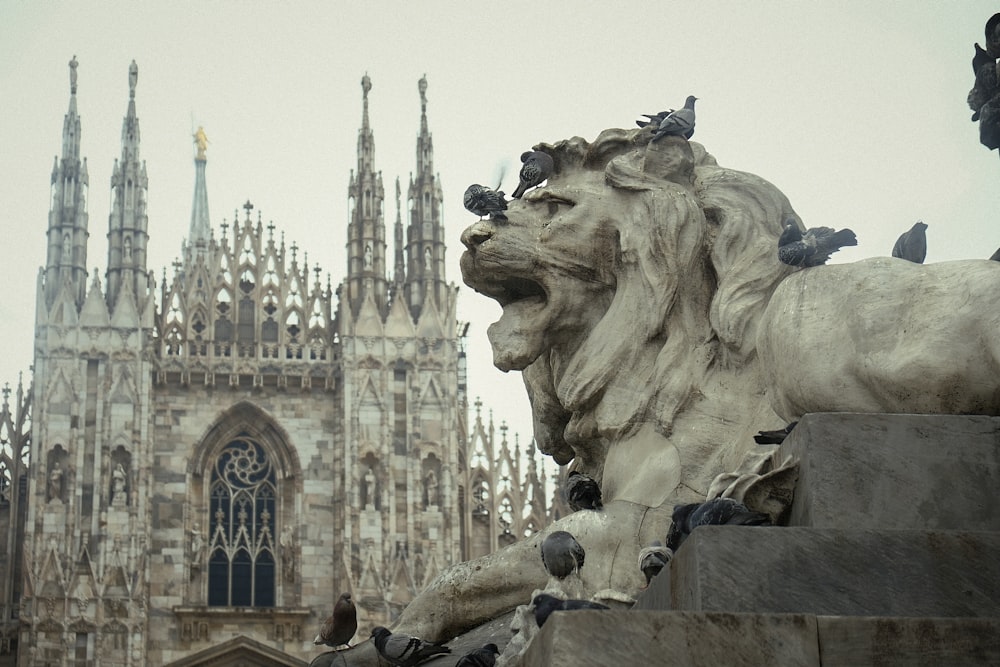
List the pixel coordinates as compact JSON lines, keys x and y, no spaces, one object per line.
{"x":912,"y":245}
{"x":480,"y":657}
{"x":338,"y":629}
{"x":653,"y":119}
{"x":679,"y":123}
{"x":561,"y":554}
{"x":715,"y":512}
{"x":484,"y":201}
{"x":538,"y":166}
{"x":775,"y":437}
{"x":545,"y":604}
{"x":582,"y":492}
{"x":813,"y":247}
{"x":403,"y":650}
{"x":653,"y":559}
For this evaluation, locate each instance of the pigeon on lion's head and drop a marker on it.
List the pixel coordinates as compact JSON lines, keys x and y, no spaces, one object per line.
{"x":624,"y":281}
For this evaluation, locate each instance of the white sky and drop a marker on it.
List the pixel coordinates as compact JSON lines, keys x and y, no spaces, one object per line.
{"x":855,"y":110}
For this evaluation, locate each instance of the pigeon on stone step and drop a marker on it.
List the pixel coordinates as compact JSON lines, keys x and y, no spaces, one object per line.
{"x":403,"y":650}
{"x":582,"y":492}
{"x":562,"y":555}
{"x":480,"y":657}
{"x":538,"y":166}
{"x":653,"y":559}
{"x":545,"y":604}
{"x":775,"y":437}
{"x":338,"y":629}
{"x":813,"y":247}
{"x":715,"y":512}
{"x":484,"y":201}
{"x":678,"y":123}
{"x":912,"y":245}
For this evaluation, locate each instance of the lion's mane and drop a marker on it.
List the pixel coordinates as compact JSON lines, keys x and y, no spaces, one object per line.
{"x":696,"y":264}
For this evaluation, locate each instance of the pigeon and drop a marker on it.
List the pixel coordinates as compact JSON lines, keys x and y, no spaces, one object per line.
{"x":480,"y":657}
{"x":715,"y":512}
{"x":545,"y":604}
{"x":775,"y":437}
{"x":561,"y":554}
{"x":538,"y":166}
{"x":678,"y":123}
{"x":484,"y":201}
{"x":404,"y":650}
{"x":912,"y":245}
{"x":338,"y":629}
{"x":653,"y":119}
{"x":582,"y":492}
{"x":813,"y":247}
{"x":654,"y":558}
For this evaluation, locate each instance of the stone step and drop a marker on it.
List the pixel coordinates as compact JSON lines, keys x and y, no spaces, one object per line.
{"x":709,"y":639}
{"x":837,"y":572}
{"x":907,"y":472}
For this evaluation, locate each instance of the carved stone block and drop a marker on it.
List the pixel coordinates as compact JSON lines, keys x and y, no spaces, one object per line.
{"x":838,"y":572}
{"x":919,"y":472}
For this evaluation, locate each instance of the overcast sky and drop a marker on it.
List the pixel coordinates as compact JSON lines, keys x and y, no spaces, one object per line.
{"x":855,"y":110}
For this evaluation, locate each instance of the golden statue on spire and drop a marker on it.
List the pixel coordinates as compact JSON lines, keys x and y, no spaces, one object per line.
{"x":201,"y":141}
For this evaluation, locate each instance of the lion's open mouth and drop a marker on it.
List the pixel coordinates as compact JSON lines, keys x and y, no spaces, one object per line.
{"x":514,"y":289}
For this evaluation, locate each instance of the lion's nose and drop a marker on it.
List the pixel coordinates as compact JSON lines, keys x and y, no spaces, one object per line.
{"x":477,"y":234}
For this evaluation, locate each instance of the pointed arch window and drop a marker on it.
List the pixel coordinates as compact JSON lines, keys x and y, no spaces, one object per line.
{"x":241,"y":568}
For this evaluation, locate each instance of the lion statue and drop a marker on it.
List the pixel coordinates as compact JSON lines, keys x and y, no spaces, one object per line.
{"x":635,"y":289}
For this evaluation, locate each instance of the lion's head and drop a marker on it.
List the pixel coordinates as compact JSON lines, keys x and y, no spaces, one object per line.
{"x":633,"y":273}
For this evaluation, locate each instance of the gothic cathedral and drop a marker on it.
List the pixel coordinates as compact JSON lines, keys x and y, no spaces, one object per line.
{"x":214,"y":459}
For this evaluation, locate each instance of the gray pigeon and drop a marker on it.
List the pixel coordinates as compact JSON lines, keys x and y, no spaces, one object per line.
{"x":484,"y":201}
{"x":561,"y":554}
{"x":653,"y":559}
{"x":338,"y":629}
{"x":715,"y":512}
{"x":538,"y":166}
{"x":813,"y":247}
{"x":678,"y":123}
{"x":404,"y":650}
{"x":480,"y":657}
{"x":582,"y":492}
{"x":545,"y":604}
{"x":912,"y":245}
{"x":775,"y":437}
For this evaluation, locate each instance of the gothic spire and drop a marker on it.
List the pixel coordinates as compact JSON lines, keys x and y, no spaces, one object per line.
{"x":67,"y":233}
{"x":366,"y":261}
{"x":425,"y":246}
{"x":201,"y":229}
{"x":399,"y":267}
{"x":127,"y":223}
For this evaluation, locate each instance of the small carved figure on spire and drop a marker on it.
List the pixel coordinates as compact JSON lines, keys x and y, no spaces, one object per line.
{"x":366,"y":84}
{"x":201,"y":142}
{"x":422,"y":87}
{"x":72,"y":76}
{"x":133,"y":78}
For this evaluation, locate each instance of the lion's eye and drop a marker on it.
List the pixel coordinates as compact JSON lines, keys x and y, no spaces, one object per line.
{"x":554,"y":203}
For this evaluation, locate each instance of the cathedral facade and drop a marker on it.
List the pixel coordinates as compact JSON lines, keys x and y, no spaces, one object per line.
{"x":201,"y":467}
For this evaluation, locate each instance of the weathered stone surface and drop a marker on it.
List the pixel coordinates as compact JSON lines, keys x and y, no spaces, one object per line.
{"x":838,"y":572}
{"x":680,"y":639}
{"x":884,"y":335}
{"x":908,"y":642}
{"x":896,"y":471}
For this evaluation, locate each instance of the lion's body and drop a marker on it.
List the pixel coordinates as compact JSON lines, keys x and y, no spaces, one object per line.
{"x":885,"y":335}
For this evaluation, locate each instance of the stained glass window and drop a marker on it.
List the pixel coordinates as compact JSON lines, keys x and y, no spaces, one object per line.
{"x":241,"y":567}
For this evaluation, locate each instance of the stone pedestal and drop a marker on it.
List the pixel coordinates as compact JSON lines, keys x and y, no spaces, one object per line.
{"x":889,"y":559}
{"x":915,"y":472}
